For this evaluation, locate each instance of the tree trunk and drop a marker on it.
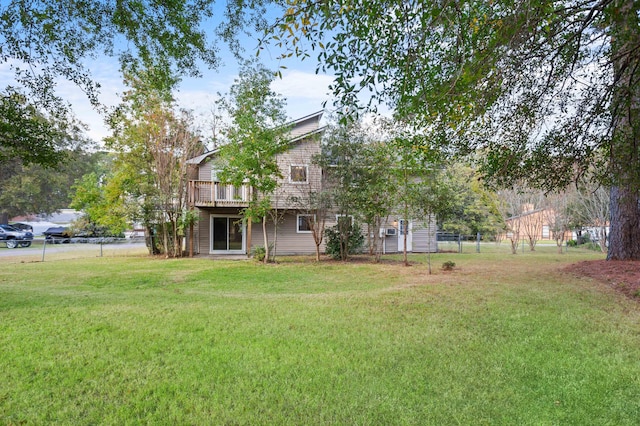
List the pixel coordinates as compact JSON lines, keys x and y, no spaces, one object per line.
{"x":624,"y":237}
{"x":317,"y":237}
{"x":165,"y":239}
{"x":177,"y":242}
{"x":151,"y":240}
{"x":405,"y":231}
{"x":602,"y":239}
{"x":275,"y":236}
{"x":265,"y":239}
{"x":374,"y":233}
{"x":514,"y":245}
{"x":559,"y":243}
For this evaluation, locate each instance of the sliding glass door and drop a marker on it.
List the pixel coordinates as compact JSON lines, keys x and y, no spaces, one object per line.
{"x":227,"y":235}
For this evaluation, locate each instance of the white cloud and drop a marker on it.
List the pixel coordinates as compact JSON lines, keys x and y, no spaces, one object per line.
{"x":111,"y":88}
{"x":304,"y":91}
{"x":303,"y":85}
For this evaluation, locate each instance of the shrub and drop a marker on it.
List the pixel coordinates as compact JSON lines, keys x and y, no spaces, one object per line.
{"x":259,"y":253}
{"x":592,"y":246}
{"x":572,"y":243}
{"x":339,"y":246}
{"x":584,"y":238}
{"x":448,"y":265}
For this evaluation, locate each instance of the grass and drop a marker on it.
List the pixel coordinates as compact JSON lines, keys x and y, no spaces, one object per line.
{"x":498,"y":340}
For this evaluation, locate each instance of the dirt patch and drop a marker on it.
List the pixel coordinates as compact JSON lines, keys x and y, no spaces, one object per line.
{"x":623,"y":276}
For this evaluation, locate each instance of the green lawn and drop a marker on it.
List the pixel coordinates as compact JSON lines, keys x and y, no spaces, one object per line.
{"x":502,"y":339}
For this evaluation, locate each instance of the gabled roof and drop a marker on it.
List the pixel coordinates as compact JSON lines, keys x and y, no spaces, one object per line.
{"x":317,"y":115}
{"x":298,"y":123}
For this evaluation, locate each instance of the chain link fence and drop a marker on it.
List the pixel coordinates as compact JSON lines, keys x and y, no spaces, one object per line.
{"x":459,"y":243}
{"x":45,"y":250}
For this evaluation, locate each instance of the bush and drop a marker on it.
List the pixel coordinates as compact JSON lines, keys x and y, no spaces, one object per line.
{"x":339,"y":247}
{"x":572,"y":243}
{"x":585,"y":238}
{"x":259,"y":253}
{"x":448,"y":265}
{"x":592,"y":246}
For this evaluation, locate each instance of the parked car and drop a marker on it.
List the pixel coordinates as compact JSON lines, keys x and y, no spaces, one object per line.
{"x":58,"y":234}
{"x":14,"y":237}
{"x":22,"y":226}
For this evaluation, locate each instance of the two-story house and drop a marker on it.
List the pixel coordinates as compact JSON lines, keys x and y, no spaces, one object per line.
{"x":220,"y":229}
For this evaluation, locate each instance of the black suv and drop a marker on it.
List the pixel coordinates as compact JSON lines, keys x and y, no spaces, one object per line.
{"x":14,"y":237}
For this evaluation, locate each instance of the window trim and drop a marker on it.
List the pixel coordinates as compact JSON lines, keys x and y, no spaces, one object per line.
{"x":306,"y":174}
{"x":298,"y":231}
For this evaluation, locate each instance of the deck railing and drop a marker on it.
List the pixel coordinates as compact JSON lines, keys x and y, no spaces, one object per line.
{"x":216,"y":194}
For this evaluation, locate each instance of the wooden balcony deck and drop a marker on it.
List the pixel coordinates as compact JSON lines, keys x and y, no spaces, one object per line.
{"x":215,"y":194}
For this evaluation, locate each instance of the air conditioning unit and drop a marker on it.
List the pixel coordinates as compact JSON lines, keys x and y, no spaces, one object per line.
{"x":391,"y":231}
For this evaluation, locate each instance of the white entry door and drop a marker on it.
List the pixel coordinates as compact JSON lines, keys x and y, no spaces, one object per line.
{"x":405,"y":227}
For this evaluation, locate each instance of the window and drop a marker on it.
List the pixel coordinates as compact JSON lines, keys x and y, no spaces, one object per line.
{"x":403,"y":227}
{"x":304,"y":223}
{"x":545,"y":231}
{"x":298,"y":174}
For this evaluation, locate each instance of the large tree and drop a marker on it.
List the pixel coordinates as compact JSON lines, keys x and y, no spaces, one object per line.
{"x":35,"y":189}
{"x":256,"y":135}
{"x":417,"y":178}
{"x":542,"y":89}
{"x":357,"y":163}
{"x":32,"y":144}
{"x":47,"y":41}
{"x":476,"y":209}
{"x":153,"y":140}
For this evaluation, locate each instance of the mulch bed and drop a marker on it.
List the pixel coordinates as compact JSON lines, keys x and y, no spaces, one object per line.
{"x":621,"y":275}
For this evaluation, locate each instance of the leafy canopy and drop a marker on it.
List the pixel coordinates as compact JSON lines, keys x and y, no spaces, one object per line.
{"x":256,"y":135}
{"x":529,"y":83}
{"x":45,"y":42}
